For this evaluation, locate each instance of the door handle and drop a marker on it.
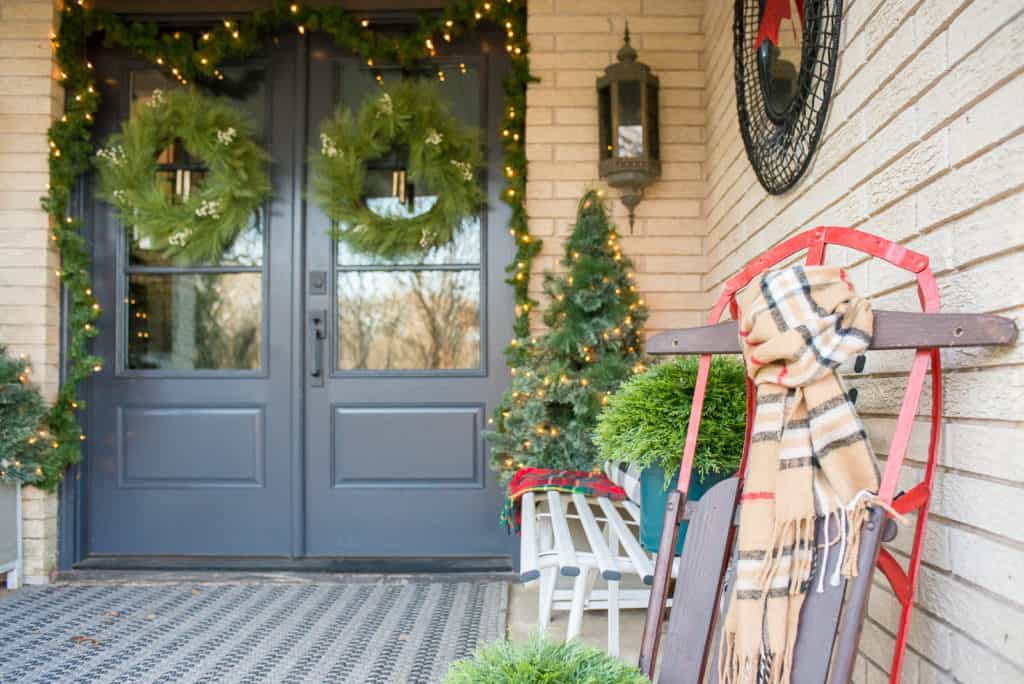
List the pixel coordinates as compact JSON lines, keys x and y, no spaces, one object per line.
{"x":317,"y":335}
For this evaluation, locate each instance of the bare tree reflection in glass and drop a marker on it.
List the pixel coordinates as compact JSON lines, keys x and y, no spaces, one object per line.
{"x":409,"y":320}
{"x":448,"y":316}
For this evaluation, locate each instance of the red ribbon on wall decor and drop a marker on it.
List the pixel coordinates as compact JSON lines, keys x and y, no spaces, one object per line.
{"x":771,"y":19}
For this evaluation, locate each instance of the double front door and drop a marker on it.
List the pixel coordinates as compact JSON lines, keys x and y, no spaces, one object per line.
{"x":294,"y":398}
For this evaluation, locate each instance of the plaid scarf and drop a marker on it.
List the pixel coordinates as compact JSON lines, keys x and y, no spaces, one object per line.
{"x":542,"y":480}
{"x":809,"y":459}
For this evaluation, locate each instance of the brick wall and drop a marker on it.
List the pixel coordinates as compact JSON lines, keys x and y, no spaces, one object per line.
{"x":571,"y":42}
{"x":923,"y":146}
{"x":29,"y":307}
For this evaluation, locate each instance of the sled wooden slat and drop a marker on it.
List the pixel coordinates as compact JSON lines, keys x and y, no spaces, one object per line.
{"x":703,"y":556}
{"x":598,"y":544}
{"x":633,"y":510}
{"x":528,"y":567}
{"x":563,"y":539}
{"x":893,"y":330}
{"x":628,"y":541}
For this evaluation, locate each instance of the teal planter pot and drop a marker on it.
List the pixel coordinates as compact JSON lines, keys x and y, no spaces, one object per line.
{"x":654,"y":496}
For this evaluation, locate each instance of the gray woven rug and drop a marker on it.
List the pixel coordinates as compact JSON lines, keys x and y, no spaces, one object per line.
{"x":252,"y":632}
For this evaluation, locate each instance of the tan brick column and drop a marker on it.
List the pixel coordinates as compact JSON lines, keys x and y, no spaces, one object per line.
{"x":30,"y":98}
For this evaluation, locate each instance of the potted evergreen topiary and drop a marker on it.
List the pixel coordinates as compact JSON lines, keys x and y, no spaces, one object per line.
{"x":645,"y":423}
{"x":538,"y":661}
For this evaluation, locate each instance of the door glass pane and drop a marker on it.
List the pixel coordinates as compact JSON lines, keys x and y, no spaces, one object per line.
{"x":464,"y":249}
{"x":183,"y":174}
{"x":408,"y":320}
{"x":194,"y":321}
{"x":245,"y":250}
{"x":243,"y":88}
{"x":460,"y":87}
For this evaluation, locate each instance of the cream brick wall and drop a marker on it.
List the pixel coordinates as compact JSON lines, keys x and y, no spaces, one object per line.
{"x":29,"y":290}
{"x":571,"y":43}
{"x":924,"y":146}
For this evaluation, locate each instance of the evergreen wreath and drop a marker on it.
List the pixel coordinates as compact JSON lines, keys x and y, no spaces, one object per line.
{"x":443,"y":157}
{"x":198,"y":227}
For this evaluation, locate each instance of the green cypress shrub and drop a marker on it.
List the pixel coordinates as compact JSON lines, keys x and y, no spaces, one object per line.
{"x":539,"y":661}
{"x":646,"y":419}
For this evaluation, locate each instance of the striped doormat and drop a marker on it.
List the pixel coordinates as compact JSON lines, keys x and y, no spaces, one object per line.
{"x":246,"y":632}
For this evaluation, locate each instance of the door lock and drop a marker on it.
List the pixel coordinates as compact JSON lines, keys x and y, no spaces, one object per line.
{"x":318,"y":282}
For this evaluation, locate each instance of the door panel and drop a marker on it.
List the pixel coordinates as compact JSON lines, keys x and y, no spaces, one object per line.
{"x":190,"y":449}
{"x":396,"y":464}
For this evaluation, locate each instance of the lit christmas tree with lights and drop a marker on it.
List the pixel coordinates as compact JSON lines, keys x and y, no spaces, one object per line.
{"x":24,"y":441}
{"x":561,"y":379}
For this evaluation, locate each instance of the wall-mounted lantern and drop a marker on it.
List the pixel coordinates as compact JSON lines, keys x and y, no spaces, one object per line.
{"x":627,"y":109}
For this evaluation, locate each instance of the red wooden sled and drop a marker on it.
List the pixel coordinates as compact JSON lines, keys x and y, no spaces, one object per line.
{"x":830,"y":622}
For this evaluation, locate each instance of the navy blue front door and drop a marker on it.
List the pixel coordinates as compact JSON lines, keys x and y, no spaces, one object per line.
{"x":412,"y":349}
{"x":293,"y":399}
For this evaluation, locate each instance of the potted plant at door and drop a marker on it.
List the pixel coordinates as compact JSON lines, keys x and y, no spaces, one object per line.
{"x":645,"y":424}
{"x":22,"y":444}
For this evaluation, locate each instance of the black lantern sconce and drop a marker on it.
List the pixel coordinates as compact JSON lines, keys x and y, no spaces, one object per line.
{"x":627,"y":110}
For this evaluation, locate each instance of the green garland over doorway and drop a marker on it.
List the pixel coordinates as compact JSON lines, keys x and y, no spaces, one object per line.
{"x":198,"y":58}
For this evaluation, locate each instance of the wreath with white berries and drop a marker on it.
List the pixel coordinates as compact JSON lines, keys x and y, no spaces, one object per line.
{"x":197,"y":226}
{"x":443,"y":157}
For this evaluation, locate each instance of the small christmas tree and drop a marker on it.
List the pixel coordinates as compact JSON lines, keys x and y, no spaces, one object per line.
{"x":24,"y":441}
{"x":561,"y":380}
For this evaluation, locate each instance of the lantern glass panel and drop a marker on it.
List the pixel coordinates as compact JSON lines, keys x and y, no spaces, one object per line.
{"x":652,"y":122}
{"x":630,"y":133}
{"x":604,"y":118}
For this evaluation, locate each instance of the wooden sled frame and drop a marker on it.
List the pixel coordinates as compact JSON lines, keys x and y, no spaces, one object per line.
{"x":927,"y":332}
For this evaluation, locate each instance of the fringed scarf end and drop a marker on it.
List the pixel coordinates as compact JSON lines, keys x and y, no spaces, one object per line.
{"x":856,"y":513}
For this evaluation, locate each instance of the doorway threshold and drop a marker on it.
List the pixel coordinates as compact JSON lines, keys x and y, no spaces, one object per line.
{"x":233,"y":568}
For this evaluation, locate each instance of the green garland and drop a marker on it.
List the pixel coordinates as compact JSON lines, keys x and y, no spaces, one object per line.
{"x":198,"y":57}
{"x":443,"y":157}
{"x":202,"y":224}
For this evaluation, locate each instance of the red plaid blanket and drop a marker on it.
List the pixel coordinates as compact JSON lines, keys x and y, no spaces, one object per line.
{"x":542,"y":480}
